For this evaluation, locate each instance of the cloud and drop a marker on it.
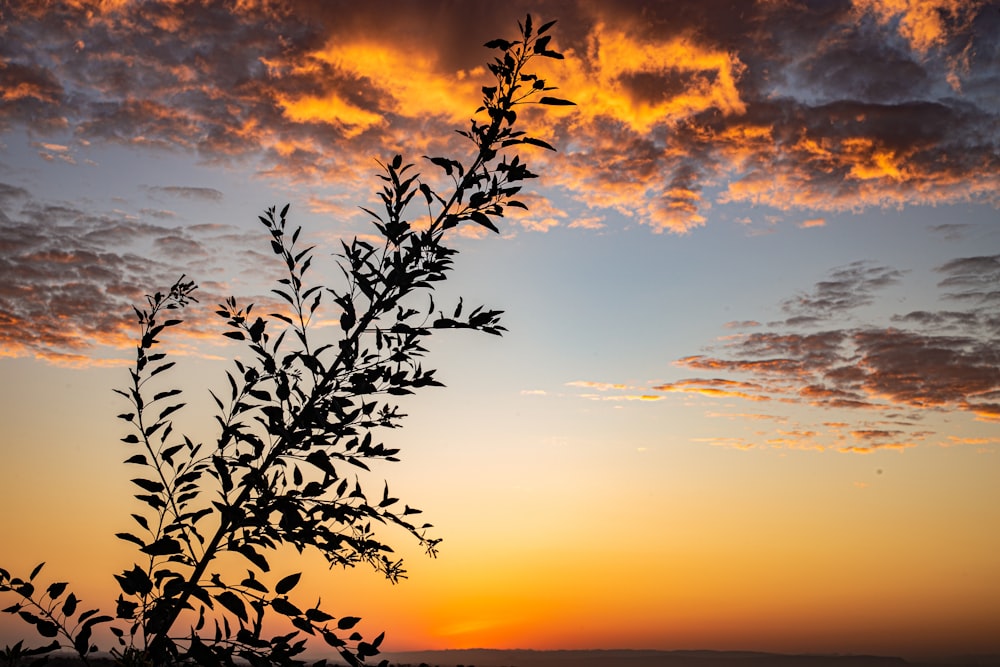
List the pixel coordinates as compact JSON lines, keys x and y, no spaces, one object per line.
{"x":745,"y":324}
{"x":974,"y":279}
{"x":925,"y":363}
{"x":540,"y":216}
{"x":715,"y":387}
{"x":600,"y":386}
{"x":829,"y":111}
{"x":592,"y":222}
{"x":864,"y":386}
{"x":68,"y":276}
{"x":848,"y":288}
{"x":951,"y":231}
{"x":187,"y":192}
{"x":683,"y":107}
{"x":924,"y":24}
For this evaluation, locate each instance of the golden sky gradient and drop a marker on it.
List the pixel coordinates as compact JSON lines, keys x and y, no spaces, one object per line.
{"x":768,"y":243}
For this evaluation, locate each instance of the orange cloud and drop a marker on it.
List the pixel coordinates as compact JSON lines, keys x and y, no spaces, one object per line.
{"x":540,"y":216}
{"x":851,"y":154}
{"x":716,"y":388}
{"x":588,"y":222}
{"x":645,"y":83}
{"x":600,"y":386}
{"x":405,"y":83}
{"x":925,"y":24}
{"x":330,"y":109}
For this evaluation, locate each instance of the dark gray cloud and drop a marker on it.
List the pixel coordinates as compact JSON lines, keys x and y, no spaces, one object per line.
{"x":973,"y":278}
{"x":847,"y":288}
{"x":951,"y":231}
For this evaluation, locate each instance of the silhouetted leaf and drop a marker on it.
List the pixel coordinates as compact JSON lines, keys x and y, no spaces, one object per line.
{"x":318,"y":616}
{"x":332,"y":639}
{"x":164,"y":546}
{"x":165,"y":394}
{"x":252,"y":582}
{"x":82,"y":640}
{"x":46,"y":628}
{"x":536,"y":142}
{"x":287,"y":583}
{"x":134,"y":581}
{"x":125,"y":609}
{"x":162,"y":367}
{"x":148,"y":485}
{"x":128,"y":537}
{"x":347,"y":622}
{"x":555,"y":101}
{"x":483,"y":220}
{"x":248,"y":552}
{"x":56,"y":589}
{"x":69,"y":605}
{"x":233,"y":603}
{"x":321,"y":460}
{"x":171,"y":410}
{"x":284,"y":607}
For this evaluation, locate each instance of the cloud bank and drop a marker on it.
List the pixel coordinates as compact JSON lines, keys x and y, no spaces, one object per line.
{"x":836,"y":106}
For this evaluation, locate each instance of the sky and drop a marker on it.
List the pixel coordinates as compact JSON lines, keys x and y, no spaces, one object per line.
{"x":750,"y":393}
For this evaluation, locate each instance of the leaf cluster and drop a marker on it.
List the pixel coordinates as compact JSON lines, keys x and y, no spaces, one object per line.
{"x":54,"y":613}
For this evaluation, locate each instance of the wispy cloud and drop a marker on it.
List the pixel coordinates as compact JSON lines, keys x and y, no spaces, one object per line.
{"x":847,"y":288}
{"x":600,"y":386}
{"x":186,"y":192}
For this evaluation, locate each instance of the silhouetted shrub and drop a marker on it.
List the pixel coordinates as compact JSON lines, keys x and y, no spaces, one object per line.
{"x":298,"y":414}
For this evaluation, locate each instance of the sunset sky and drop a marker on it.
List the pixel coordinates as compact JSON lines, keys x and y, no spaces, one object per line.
{"x":750,"y":393}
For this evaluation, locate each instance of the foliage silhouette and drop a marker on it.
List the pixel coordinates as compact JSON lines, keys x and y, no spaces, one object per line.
{"x":296,"y":419}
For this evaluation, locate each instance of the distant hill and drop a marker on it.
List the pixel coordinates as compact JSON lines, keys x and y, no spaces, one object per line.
{"x":639,"y":658}
{"x":626,"y":658}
